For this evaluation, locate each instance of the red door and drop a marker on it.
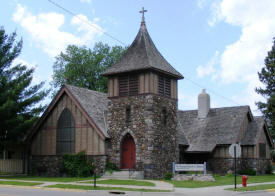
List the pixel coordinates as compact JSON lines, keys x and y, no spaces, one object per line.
{"x":128,"y":152}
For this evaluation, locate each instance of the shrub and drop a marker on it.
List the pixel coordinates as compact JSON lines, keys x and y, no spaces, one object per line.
{"x":110,"y":167}
{"x":77,"y":165}
{"x":168,"y":176}
{"x":272,"y":155}
{"x":269,"y":169}
{"x":249,"y":172}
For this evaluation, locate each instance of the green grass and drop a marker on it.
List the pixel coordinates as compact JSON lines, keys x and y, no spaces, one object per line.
{"x":19,"y":183}
{"x":222,"y":180}
{"x":254,"y":188}
{"x":46,"y":179}
{"x":71,"y":186}
{"x":123,"y":182}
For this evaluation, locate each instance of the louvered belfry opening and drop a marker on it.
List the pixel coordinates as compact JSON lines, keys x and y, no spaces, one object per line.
{"x":164,"y":86}
{"x":128,"y":85}
{"x":65,"y":134}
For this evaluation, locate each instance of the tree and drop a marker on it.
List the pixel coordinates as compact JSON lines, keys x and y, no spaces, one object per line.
{"x":18,"y":99}
{"x":267,"y":76}
{"x":80,"y":66}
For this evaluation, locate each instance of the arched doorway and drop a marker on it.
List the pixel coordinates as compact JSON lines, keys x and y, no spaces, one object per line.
{"x":128,"y":152}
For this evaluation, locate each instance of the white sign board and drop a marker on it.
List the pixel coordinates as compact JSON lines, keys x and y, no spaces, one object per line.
{"x":189,"y":167}
{"x":238,"y":150}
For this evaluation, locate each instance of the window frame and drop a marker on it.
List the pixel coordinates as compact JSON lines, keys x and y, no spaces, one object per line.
{"x":65,"y":142}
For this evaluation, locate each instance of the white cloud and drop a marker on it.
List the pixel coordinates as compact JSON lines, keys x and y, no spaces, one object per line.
{"x":44,"y":28}
{"x":84,"y":25}
{"x":242,"y":59}
{"x":201,"y":3}
{"x":23,"y":62}
{"x":85,"y":1}
{"x":216,"y":14}
{"x":209,"y":67}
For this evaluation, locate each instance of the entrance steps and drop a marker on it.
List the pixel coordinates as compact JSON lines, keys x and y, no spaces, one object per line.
{"x":124,"y":174}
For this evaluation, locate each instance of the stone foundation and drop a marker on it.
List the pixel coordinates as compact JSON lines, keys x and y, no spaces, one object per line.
{"x":45,"y":165}
{"x":199,"y":177}
{"x":226,"y":165}
{"x":52,"y":165}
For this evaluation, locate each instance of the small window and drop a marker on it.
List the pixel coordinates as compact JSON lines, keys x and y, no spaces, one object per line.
{"x":164,"y":86}
{"x":128,"y":114}
{"x":128,"y":85}
{"x":164,"y":116}
{"x":262,"y":150}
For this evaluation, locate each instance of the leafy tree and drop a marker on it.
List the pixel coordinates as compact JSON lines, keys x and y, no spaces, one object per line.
{"x":18,"y":99}
{"x":267,"y":76}
{"x":81,"y":66}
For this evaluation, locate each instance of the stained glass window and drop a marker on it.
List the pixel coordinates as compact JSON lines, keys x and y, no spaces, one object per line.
{"x":65,"y":135}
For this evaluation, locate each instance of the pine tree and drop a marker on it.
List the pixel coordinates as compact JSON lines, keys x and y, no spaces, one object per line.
{"x":267,"y":76}
{"x":18,"y":99}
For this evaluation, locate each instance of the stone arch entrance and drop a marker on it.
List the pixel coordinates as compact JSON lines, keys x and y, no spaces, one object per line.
{"x":128,"y":152}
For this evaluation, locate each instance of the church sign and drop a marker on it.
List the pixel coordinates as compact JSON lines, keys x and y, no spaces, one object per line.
{"x":189,"y":167}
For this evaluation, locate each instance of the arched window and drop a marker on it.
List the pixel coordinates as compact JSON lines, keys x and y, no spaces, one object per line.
{"x":65,"y":136}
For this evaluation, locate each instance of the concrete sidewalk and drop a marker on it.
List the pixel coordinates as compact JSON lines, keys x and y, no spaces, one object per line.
{"x":214,"y":190}
{"x":160,"y":185}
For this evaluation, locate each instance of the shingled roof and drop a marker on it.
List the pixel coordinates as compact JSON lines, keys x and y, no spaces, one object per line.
{"x":221,"y":126}
{"x":142,"y":55}
{"x":94,"y":103}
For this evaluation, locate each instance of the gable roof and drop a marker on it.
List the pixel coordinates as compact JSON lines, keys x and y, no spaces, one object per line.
{"x":142,"y":55}
{"x":221,"y":126}
{"x":263,"y":126}
{"x":92,"y":104}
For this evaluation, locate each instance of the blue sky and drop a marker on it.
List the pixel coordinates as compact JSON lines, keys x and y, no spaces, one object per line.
{"x":219,"y":45}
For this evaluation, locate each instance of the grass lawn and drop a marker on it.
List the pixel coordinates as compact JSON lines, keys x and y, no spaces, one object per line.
{"x":222,"y":180}
{"x":124,"y":182}
{"x":46,"y":179}
{"x":19,"y":183}
{"x":254,"y":188}
{"x":71,"y":186}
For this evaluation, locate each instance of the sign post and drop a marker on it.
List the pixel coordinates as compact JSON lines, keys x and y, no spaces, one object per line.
{"x":95,"y":179}
{"x":235,"y":152}
{"x":235,"y":177}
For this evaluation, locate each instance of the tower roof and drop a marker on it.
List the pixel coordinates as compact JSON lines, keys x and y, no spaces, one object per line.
{"x":142,"y":55}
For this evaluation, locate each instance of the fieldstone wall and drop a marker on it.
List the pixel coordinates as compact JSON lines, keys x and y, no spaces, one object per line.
{"x":45,"y":165}
{"x":153,"y":130}
{"x":99,"y":162}
{"x":52,"y":165}
{"x":225,"y":165}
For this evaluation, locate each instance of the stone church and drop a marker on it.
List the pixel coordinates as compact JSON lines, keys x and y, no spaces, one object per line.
{"x":137,"y":124}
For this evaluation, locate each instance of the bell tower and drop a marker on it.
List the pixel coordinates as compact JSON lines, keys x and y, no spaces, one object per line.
{"x":142,"y":112}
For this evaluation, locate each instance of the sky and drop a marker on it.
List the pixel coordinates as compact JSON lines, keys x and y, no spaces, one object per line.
{"x":219,"y":45}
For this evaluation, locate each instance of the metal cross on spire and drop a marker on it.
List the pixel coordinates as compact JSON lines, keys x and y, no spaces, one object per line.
{"x":142,"y":12}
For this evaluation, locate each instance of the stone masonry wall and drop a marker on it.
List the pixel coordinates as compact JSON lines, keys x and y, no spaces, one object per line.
{"x":52,"y":165}
{"x":223,"y":165}
{"x":155,"y":142}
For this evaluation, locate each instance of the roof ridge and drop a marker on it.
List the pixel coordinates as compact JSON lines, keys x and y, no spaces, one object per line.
{"x":227,"y":107}
{"x":86,"y":89}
